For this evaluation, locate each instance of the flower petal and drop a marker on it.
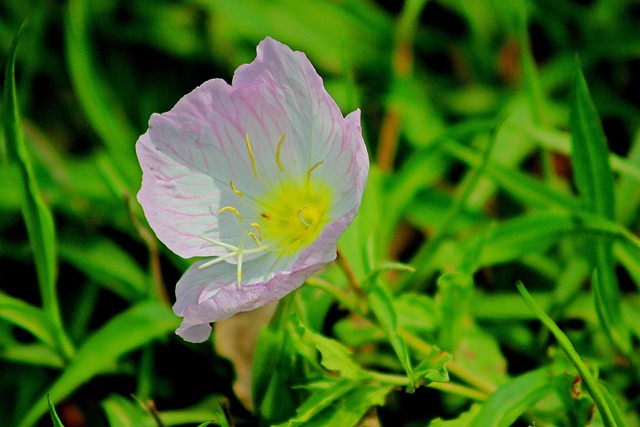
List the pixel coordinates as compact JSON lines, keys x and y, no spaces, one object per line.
{"x":288,"y":82}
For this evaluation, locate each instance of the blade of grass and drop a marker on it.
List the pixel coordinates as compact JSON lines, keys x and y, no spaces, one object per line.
{"x":512,"y":399}
{"x":28,"y":317}
{"x":126,"y":332}
{"x":521,"y":186}
{"x":95,"y":96}
{"x":594,"y":179}
{"x":37,"y":216}
{"x":574,"y":357}
{"x":54,"y":416}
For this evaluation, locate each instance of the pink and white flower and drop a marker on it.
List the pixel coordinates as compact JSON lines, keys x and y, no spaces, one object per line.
{"x":260,"y":178}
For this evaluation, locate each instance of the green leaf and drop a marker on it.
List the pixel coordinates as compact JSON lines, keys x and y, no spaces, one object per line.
{"x":381,"y":303}
{"x":126,"y":332}
{"x":342,"y":403}
{"x":121,"y":411}
{"x":590,"y":155}
{"x":524,"y":188}
{"x":454,"y":293}
{"x":320,"y":400}
{"x":433,"y":367}
{"x":568,"y":348}
{"x":512,"y":399}
{"x":108,"y":264}
{"x":335,"y":356}
{"x":578,"y":406}
{"x":594,"y":180}
{"x":37,"y":216}
{"x":52,"y":412}
{"x":417,"y":313}
{"x":462,"y":421}
{"x":277,"y":368}
{"x":526,"y":234}
{"x":96,"y":97}
{"x":28,"y":317}
{"x":34,"y":354}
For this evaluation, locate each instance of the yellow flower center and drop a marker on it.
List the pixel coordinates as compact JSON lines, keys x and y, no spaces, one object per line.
{"x":290,"y":216}
{"x":294,"y":215}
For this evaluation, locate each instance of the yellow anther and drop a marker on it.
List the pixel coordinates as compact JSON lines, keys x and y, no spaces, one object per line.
{"x":231,"y":209}
{"x":312,"y":168}
{"x":278,"y":152}
{"x":235,"y":190}
{"x":255,"y":239}
{"x":253,"y":161}
{"x":257,"y":227}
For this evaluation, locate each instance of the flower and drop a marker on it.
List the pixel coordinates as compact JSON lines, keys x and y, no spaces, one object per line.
{"x":260,"y":177}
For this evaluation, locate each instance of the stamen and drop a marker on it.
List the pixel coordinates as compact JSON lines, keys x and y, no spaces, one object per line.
{"x":218,"y":259}
{"x":253,"y":161}
{"x":237,"y":252}
{"x":235,"y":190}
{"x":311,"y":169}
{"x":278,"y":152}
{"x":231,"y":209}
{"x":257,"y":227}
{"x":219,"y":243}
{"x":255,"y":239}
{"x":302,"y":220}
{"x":240,"y":254}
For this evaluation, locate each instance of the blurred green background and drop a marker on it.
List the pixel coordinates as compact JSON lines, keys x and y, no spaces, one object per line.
{"x":431,"y":78}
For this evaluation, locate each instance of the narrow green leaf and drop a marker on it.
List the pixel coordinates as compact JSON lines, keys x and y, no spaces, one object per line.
{"x":594,"y":179}
{"x":574,"y":357}
{"x":381,"y":303}
{"x":560,"y":141}
{"x":526,"y":234}
{"x":525,"y":188}
{"x":108,"y":264}
{"x":34,"y":354}
{"x":96,"y":97}
{"x":54,"y":417}
{"x":126,"y":332}
{"x":37,"y":216}
{"x":28,"y":317}
{"x":613,"y":402}
{"x":590,"y":155}
{"x":122,"y":412}
{"x":512,"y":399}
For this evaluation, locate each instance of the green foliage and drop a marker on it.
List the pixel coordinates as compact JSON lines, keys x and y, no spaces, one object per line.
{"x":54,"y":416}
{"x":505,"y":147}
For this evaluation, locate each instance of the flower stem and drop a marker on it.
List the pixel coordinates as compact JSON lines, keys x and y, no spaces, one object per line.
{"x":154,"y":255}
{"x":452,"y":388}
{"x":346,"y":267}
